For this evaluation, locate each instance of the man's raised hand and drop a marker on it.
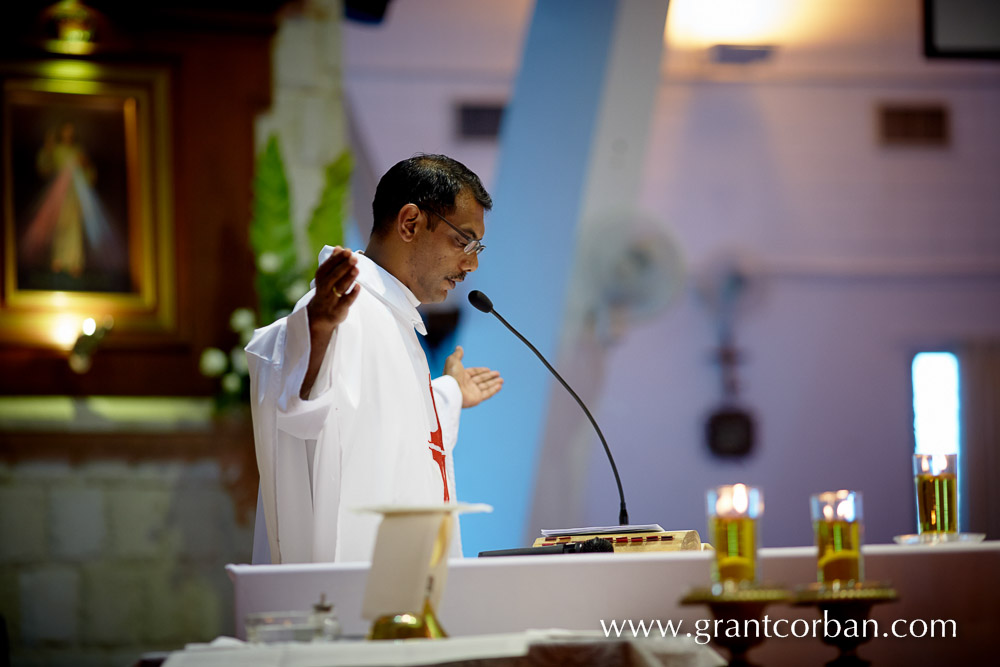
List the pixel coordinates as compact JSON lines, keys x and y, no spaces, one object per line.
{"x":329,"y":306}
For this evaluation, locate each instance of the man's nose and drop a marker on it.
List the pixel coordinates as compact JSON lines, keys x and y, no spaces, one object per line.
{"x":471,"y":262}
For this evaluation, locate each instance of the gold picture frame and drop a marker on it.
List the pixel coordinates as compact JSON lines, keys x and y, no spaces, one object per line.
{"x":87,"y":215}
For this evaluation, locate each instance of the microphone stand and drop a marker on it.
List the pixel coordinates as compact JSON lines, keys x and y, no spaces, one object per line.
{"x":623,"y":512}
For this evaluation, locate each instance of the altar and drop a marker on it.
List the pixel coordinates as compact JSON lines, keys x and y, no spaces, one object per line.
{"x":947,"y":611}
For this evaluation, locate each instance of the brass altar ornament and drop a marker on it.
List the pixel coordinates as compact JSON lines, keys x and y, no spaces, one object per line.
{"x":738,"y":607}
{"x":849,"y":607}
{"x":409,"y":569}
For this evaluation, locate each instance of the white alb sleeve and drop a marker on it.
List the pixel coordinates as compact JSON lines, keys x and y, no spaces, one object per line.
{"x":300,"y":418}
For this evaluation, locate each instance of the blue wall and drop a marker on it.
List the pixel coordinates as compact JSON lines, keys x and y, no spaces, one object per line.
{"x":531,"y":236}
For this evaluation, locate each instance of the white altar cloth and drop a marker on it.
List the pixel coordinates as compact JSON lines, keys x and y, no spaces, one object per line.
{"x":957,"y":583}
{"x":654,"y":652}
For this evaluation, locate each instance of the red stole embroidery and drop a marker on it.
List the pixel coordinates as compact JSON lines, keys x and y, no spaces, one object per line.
{"x":438,"y":441}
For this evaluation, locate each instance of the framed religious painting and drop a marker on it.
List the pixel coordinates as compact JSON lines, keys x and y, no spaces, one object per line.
{"x":87,"y":219}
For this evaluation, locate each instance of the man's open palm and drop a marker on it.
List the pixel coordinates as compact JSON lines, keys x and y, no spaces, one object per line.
{"x":477,"y":384}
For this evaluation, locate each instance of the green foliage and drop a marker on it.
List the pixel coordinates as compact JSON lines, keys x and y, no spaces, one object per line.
{"x":271,"y":234}
{"x":281,"y":277}
{"x":270,"y":225}
{"x":326,"y":227}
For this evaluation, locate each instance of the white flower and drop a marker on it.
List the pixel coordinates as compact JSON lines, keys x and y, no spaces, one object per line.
{"x":268,"y":262}
{"x":231,"y":383}
{"x":296,"y":290}
{"x":213,"y":362}
{"x":239,"y":360}
{"x":242,"y":319}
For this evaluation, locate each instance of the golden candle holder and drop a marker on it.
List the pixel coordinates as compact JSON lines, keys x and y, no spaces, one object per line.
{"x":840,"y":593}
{"x":424,"y":625}
{"x":848,"y":607}
{"x":735,"y":598}
{"x":738,"y":608}
{"x":409,"y":569}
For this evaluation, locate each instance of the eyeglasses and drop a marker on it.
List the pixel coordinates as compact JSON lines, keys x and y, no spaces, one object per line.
{"x":472,"y":246}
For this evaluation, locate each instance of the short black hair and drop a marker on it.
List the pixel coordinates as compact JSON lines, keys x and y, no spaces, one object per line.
{"x":432,"y":182}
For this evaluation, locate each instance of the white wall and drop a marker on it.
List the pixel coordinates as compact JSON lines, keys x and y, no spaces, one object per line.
{"x":404,"y":78}
{"x":866,"y":254}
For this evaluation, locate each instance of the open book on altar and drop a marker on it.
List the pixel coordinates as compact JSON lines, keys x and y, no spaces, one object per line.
{"x":629,"y":539}
{"x":604,"y":530}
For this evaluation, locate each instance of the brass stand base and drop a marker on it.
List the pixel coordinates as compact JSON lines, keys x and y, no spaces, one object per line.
{"x":408,"y":626}
{"x":739,"y":605}
{"x":849,"y":607}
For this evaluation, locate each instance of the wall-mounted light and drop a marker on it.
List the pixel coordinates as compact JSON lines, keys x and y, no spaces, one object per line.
{"x":64,"y":330}
{"x":698,"y":24}
{"x":91,"y":335}
{"x":739,"y":54}
{"x":74,"y":27}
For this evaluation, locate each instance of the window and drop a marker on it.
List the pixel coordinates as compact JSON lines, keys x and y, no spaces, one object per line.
{"x":936,"y":403}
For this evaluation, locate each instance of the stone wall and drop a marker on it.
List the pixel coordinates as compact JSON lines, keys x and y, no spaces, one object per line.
{"x":102,"y":561}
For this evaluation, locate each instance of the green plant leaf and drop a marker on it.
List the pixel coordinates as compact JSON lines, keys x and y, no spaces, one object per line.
{"x":271,"y":235}
{"x":326,"y":227}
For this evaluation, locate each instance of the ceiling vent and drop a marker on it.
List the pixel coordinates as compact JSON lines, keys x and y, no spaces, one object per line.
{"x":479,"y":120}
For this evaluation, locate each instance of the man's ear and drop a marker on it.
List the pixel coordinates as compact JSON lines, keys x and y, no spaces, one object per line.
{"x":407,"y":221}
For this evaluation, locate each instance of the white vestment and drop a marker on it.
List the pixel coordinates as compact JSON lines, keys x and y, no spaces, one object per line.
{"x":374,"y":431}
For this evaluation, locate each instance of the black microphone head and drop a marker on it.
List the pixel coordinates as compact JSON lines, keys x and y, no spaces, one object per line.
{"x":480,"y":301}
{"x":596,"y":545}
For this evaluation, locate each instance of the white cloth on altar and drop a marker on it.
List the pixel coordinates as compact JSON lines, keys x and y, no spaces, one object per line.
{"x":366,"y":436}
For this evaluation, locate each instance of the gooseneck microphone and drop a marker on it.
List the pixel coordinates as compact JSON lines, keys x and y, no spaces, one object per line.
{"x":482,"y":302}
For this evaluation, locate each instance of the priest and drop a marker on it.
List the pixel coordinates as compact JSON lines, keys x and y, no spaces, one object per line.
{"x":345,"y":412}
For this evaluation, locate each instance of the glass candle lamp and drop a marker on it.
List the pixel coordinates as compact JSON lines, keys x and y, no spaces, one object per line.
{"x":733,"y":514}
{"x":837,"y":525}
{"x":935,"y":477}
